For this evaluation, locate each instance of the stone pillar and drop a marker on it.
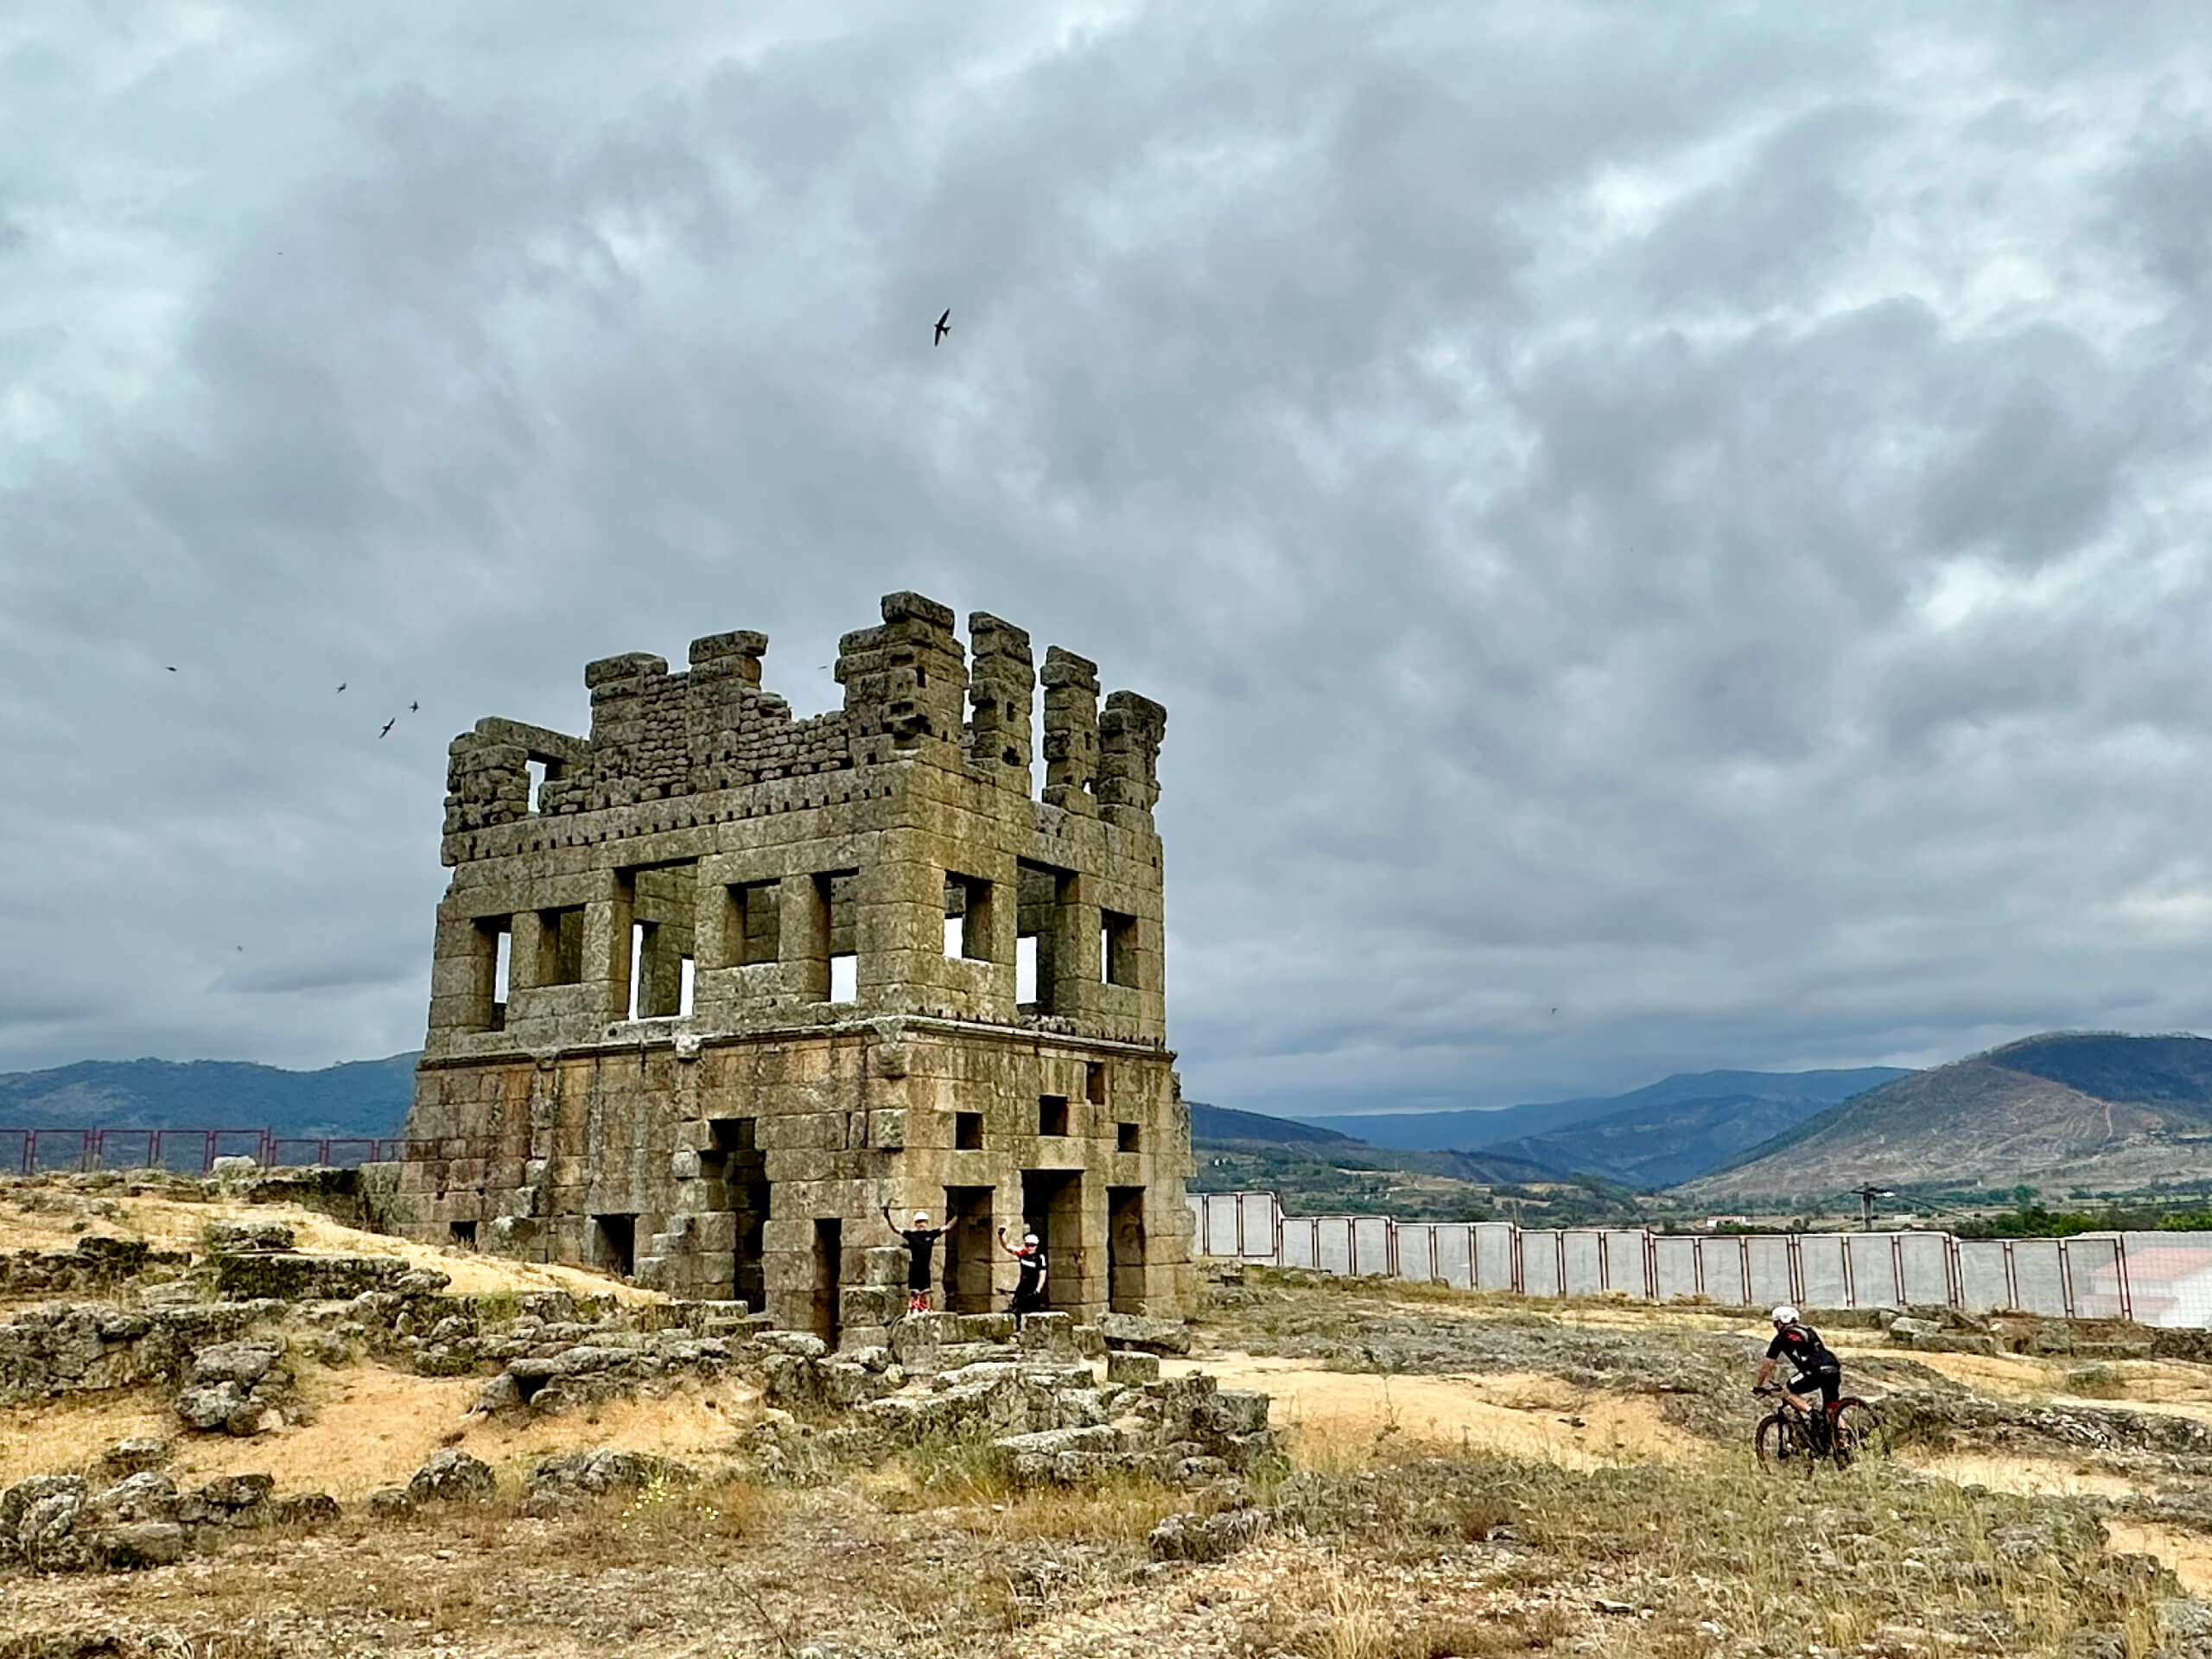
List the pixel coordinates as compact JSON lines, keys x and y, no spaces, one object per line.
{"x":1070,"y":730}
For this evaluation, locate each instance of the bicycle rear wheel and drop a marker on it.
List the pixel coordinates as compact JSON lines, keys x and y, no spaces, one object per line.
{"x":1859,"y":1433}
{"x":1777,"y":1442}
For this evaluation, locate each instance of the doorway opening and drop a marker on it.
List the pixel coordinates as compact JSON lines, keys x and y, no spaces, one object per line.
{"x":615,"y":1243}
{"x":1125,"y":1248}
{"x":737,"y":1180}
{"x":969,"y":1254}
{"x":828,"y":1276}
{"x":1051,"y":1208}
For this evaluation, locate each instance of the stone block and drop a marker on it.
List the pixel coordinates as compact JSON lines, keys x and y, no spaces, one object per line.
{"x":1129,"y":1366}
{"x":884,"y":1264}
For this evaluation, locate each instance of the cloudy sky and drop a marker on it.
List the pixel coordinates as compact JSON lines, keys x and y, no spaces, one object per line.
{"x":1689,"y":517}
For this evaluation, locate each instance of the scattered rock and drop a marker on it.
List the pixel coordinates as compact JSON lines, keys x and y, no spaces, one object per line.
{"x":390,"y":1504}
{"x":132,"y":1456}
{"x":1188,"y":1537}
{"x":1146,"y":1335}
{"x":594,"y":1474}
{"x":452,"y":1477}
{"x":233,"y":1237}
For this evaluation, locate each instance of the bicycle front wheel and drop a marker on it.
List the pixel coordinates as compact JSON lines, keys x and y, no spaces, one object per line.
{"x":1776,"y":1441}
{"x":1859,"y":1433}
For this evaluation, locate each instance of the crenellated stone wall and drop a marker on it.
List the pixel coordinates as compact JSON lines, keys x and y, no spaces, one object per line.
{"x":734,"y":982}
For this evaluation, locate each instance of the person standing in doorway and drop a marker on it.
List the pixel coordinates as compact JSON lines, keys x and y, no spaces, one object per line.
{"x":1029,"y":1285}
{"x":921,"y":1244}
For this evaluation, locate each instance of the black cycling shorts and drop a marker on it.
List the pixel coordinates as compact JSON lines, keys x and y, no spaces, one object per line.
{"x":1828,"y":1380}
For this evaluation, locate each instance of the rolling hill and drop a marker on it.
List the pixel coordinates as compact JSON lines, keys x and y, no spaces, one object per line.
{"x":359,"y":1098}
{"x":2097,"y":1110}
{"x":1653,"y":1136}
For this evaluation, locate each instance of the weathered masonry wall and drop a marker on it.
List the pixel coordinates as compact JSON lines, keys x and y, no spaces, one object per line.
{"x":712,"y":985}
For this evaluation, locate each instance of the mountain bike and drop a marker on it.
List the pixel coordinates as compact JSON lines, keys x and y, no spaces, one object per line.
{"x":1791,"y":1437}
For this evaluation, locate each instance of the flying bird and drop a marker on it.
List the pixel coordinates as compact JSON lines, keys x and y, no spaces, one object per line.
{"x":943,"y":327}
{"x":414,"y":707}
{"x":341,"y":685}
{"x":170,"y":666}
{"x":388,"y":725}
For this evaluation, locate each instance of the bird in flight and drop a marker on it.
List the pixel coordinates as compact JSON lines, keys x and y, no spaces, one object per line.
{"x":341,"y":685}
{"x":388,"y":725}
{"x":414,"y":707}
{"x":943,"y":327}
{"x":170,"y":666}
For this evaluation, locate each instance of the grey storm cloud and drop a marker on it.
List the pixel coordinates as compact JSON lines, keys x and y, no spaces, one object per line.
{"x":1692,"y":516}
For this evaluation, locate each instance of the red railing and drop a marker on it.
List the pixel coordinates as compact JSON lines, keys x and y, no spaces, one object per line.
{"x":187,"y":1150}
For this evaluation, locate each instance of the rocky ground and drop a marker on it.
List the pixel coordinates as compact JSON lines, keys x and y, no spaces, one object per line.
{"x":267,"y":1435}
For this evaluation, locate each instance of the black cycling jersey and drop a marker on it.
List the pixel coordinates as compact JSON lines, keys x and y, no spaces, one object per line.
{"x":1802,"y":1346}
{"x":921,"y":1243}
{"x":1031,"y":1265}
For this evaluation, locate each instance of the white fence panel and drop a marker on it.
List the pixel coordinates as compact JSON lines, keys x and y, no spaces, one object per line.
{"x":1301,"y":1241}
{"x":1220,"y":1220}
{"x":1770,"y":1281}
{"x":2093,"y":1275}
{"x":1721,"y":1259}
{"x":1257,"y":1214}
{"x":2038,"y":1277}
{"x":1985,"y":1286}
{"x":1676,"y":1260}
{"x":1540,"y":1262}
{"x":1926,"y":1261}
{"x":1371,"y":1245}
{"x":1823,"y":1281}
{"x":1454,"y":1261}
{"x":1873,"y":1270}
{"x":1622,"y":1252}
{"x":1417,"y":1250}
{"x":2169,"y":1278}
{"x":1496,"y":1243}
{"x":1585,"y":1273}
{"x":1332,"y":1244}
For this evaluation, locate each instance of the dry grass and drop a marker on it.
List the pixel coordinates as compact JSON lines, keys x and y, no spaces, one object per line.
{"x":172,"y":1224}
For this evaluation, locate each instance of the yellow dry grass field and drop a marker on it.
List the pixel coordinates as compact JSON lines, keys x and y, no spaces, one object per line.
{"x":372,"y":1427}
{"x":1509,"y":1414}
{"x":171,"y":1223}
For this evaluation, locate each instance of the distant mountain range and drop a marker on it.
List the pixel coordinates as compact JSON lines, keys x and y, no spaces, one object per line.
{"x":368,"y":1097}
{"x":1664,"y":1133}
{"x":2101,"y":1111}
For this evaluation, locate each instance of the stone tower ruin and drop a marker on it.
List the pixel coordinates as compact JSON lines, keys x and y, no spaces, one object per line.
{"x":712,"y":985}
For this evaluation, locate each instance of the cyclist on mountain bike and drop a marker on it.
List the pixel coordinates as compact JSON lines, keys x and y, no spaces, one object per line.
{"x":1815,"y":1367}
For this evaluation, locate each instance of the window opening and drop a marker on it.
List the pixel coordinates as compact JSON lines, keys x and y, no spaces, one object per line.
{"x":537,"y":776}
{"x":687,"y":979}
{"x":967,"y":917}
{"x":494,"y":941}
{"x":1094,"y":1081}
{"x":463,"y":1233}
{"x":1053,"y":1115}
{"x":1044,"y":899}
{"x":1117,"y":937}
{"x":1025,"y":970}
{"x":845,"y":978}
{"x":757,"y":921}
{"x":638,"y":965}
{"x":1128,"y":1138}
{"x":561,"y":946}
{"x":967,"y":1131}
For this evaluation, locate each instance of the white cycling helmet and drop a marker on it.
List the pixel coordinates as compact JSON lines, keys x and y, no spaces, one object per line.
{"x":1784,"y":1315}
